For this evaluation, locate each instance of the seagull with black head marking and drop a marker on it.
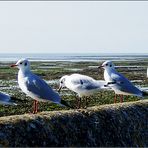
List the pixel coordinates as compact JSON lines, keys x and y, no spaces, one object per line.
{"x":35,"y":87}
{"x":120,"y":84}
{"x":83,"y":85}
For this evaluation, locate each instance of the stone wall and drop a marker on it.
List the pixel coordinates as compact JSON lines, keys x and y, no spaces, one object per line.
{"x":123,"y":124}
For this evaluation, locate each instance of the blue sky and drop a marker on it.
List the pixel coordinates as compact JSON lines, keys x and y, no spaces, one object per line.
{"x":74,"y":27}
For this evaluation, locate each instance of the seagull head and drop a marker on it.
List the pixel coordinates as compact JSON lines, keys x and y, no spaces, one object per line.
{"x":62,"y":82}
{"x":22,"y":64}
{"x":107,"y":65}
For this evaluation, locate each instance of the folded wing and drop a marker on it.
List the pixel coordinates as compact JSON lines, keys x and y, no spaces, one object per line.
{"x":41,"y":89}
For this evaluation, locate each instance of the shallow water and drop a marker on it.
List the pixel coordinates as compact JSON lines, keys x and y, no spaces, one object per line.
{"x":71,"y":57}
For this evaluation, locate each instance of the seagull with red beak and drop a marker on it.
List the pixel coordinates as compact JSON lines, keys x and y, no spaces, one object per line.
{"x":120,"y":84}
{"x":35,"y":87}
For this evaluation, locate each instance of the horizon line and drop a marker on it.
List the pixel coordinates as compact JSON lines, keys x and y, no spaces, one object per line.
{"x":72,"y":53}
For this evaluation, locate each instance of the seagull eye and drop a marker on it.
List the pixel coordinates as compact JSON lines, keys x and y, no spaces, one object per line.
{"x":110,"y":65}
{"x":63,"y":80}
{"x":25,"y":64}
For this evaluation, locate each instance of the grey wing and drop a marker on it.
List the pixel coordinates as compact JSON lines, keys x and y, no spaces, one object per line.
{"x":4,"y":97}
{"x":124,"y":84}
{"x":41,"y":89}
{"x":86,"y":83}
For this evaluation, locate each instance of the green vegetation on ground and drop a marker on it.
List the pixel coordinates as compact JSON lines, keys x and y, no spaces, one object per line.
{"x":55,"y":70}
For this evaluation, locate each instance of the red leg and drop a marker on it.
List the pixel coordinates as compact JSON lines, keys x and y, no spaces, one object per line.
{"x":79,"y":106}
{"x":35,"y":106}
{"x":86,"y":101}
{"x":115,"y":99}
{"x":121,"y":98}
{"x":78,"y":102}
{"x":36,"y":110}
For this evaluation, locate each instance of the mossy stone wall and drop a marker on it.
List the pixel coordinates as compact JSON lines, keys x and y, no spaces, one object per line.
{"x":123,"y":124}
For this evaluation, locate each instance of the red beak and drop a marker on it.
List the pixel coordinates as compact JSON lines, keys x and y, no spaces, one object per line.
{"x":13,"y":65}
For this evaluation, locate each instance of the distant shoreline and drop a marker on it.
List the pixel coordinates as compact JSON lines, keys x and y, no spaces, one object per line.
{"x":74,"y":57}
{"x":73,"y":53}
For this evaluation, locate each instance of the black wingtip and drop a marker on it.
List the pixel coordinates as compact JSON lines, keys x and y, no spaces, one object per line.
{"x":63,"y":102}
{"x":144,"y":93}
{"x":14,"y":98}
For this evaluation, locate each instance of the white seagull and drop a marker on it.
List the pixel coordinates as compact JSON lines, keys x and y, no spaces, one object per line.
{"x":119,"y":83}
{"x":81,"y":84}
{"x":6,"y":99}
{"x":34,"y":86}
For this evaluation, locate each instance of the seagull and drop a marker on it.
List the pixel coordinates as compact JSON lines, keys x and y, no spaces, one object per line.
{"x":35,"y":87}
{"x":120,"y":84}
{"x":82,"y":85}
{"x":6,"y":99}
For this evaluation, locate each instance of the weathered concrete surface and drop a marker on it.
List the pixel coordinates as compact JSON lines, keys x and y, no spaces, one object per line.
{"x":110,"y":125}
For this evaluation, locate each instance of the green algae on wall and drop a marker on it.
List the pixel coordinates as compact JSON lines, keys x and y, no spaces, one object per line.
{"x":123,"y":124}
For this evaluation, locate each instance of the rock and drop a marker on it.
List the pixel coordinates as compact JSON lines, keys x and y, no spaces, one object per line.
{"x":120,"y":125}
